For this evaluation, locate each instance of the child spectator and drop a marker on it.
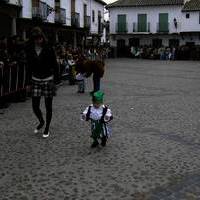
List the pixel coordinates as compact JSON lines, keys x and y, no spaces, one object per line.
{"x":80,"y":78}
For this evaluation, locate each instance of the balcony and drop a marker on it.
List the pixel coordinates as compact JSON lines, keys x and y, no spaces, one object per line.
{"x":163,"y":27}
{"x":60,"y":16}
{"x":75,"y":20}
{"x":87,"y":22}
{"x":141,"y":28}
{"x":121,"y":27}
{"x":40,"y":11}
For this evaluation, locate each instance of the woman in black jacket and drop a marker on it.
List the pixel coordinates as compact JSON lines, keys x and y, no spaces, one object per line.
{"x":43,"y":72}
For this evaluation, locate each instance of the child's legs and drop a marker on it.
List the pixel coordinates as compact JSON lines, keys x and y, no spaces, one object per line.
{"x":95,"y":137}
{"x":81,"y":86}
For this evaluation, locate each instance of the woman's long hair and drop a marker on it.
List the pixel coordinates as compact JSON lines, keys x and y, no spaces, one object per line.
{"x":37,"y":33}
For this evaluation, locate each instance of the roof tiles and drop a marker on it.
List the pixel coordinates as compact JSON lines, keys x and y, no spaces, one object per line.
{"x":135,"y":3}
{"x":192,"y":5}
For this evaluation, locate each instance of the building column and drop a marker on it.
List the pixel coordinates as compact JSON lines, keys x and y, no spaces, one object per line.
{"x":75,"y":39}
{"x":13,"y":27}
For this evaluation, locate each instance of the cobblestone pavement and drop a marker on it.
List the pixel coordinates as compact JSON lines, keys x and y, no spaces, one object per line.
{"x":153,"y":154}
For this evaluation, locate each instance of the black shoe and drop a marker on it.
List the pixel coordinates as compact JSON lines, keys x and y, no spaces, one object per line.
{"x":103,"y":141}
{"x":94,"y":144}
{"x":39,"y":127}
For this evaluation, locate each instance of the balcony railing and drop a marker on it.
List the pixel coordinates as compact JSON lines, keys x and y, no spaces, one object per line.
{"x":121,"y":27}
{"x":139,"y":27}
{"x":75,"y":20}
{"x":60,"y":16}
{"x":86,"y":21}
{"x":40,"y":12}
{"x":163,"y":27}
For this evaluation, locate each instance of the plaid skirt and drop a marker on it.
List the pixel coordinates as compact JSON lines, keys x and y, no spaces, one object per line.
{"x":43,"y":88}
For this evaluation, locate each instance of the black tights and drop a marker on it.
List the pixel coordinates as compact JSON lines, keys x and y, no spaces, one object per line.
{"x":38,"y":113}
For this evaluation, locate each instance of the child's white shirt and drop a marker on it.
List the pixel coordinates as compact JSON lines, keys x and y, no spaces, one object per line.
{"x":96,"y":113}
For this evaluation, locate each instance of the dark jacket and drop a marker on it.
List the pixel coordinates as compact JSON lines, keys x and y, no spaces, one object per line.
{"x":44,"y":65}
{"x":95,"y":67}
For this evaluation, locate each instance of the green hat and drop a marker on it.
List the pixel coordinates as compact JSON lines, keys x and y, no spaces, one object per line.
{"x":98,"y":96}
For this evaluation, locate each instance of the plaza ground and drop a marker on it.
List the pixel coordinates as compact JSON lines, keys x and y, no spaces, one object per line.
{"x":153,"y":154}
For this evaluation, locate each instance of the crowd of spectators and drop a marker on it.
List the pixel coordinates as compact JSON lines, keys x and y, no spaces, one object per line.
{"x":12,"y":64}
{"x":166,"y":53}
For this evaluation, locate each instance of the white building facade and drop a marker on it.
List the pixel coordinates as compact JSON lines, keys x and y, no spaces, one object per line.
{"x":154,"y":23}
{"x":61,"y":19}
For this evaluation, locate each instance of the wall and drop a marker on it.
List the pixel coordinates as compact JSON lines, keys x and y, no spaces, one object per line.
{"x":96,"y":7}
{"x":66,"y":4}
{"x":79,"y":9}
{"x":152,"y":17}
{"x":27,"y":9}
{"x":191,"y":24}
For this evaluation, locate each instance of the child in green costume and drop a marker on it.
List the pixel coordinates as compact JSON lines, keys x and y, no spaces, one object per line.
{"x":99,"y":115}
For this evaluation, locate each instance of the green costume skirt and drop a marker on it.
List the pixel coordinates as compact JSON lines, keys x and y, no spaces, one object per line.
{"x":98,"y":129}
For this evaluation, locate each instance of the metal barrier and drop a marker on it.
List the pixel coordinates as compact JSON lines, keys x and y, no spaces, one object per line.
{"x":13,"y":78}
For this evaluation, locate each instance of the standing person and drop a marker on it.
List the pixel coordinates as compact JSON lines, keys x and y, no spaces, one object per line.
{"x":173,"y":57}
{"x":99,"y":68}
{"x":133,"y":51}
{"x":72,"y":72}
{"x":89,"y":67}
{"x":43,"y":71}
{"x":99,"y":115}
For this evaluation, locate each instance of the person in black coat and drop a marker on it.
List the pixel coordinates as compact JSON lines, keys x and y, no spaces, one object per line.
{"x":43,"y":73}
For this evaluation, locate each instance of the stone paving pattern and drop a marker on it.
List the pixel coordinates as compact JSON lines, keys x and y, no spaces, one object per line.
{"x":153,"y":154}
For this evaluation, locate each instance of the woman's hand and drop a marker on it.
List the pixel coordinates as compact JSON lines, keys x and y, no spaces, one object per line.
{"x":83,"y":117}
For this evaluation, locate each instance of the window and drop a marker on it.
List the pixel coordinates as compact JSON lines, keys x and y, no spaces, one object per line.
{"x":163,"y":25}
{"x":142,"y":23}
{"x":187,"y":15}
{"x":93,"y":16}
{"x":121,"y":24}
